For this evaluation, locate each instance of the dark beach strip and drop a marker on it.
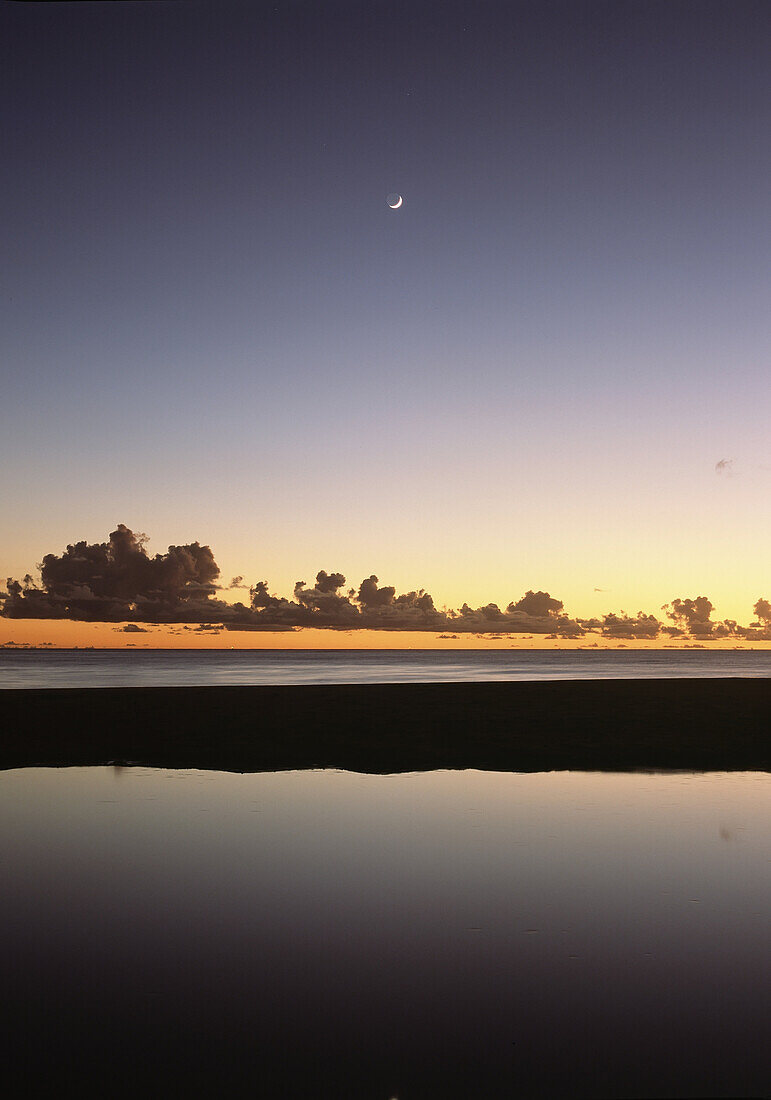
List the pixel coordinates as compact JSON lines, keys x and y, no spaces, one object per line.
{"x":612,"y":725}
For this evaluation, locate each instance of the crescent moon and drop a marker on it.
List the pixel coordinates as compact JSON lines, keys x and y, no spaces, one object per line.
{"x":396,"y":205}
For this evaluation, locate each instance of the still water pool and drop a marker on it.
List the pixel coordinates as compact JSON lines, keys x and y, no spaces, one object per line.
{"x":325,"y":933}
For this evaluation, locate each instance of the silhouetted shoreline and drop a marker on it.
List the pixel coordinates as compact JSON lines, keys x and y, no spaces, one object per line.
{"x":610,"y":725}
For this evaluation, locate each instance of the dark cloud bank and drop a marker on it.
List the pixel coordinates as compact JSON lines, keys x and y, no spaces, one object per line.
{"x":118,"y":581}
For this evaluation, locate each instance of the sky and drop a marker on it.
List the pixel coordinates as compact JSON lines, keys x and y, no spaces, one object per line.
{"x":547,"y":371}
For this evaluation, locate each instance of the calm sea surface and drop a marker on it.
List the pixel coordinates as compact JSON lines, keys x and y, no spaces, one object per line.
{"x":329,"y":934}
{"x":110,"y":668}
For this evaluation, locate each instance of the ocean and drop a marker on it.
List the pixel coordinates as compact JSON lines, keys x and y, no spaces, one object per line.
{"x":184,"y":668}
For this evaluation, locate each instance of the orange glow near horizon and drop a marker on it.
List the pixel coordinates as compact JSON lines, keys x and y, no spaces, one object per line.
{"x":66,"y":634}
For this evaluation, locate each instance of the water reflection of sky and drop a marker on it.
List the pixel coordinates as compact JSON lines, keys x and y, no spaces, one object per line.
{"x":582,"y":934}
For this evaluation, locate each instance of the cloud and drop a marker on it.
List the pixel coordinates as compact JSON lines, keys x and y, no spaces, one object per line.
{"x":692,"y":616}
{"x":370,"y":596}
{"x":536,"y":604}
{"x":131,"y":628}
{"x":624,"y":626}
{"x":762,"y":610}
{"x":535,"y":612}
{"x":322,"y":604}
{"x":760,"y":630}
{"x":118,"y":581}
